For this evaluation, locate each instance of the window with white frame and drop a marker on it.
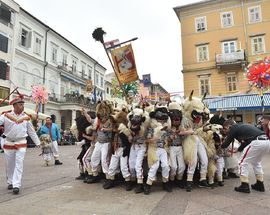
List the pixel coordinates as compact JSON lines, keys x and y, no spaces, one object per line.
{"x":97,"y":79}
{"x":204,"y":84}
{"x":257,"y":44}
{"x":101,"y":81}
{"x":37,"y":47}
{"x":231,"y":82}
{"x":54,"y":53}
{"x":226,"y":19}
{"x":254,"y":14}
{"x":83,"y":70}
{"x":3,"y":43}
{"x":25,"y":38}
{"x":202,"y":53}
{"x":90,"y":72}
{"x":74,"y":65}
{"x":229,"y":47}
{"x":64,"y":58}
{"x":200,"y":24}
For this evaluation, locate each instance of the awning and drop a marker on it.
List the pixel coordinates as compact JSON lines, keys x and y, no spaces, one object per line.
{"x":72,"y":79}
{"x":238,"y":102}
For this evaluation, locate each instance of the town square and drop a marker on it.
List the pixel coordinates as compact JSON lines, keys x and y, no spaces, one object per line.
{"x":134,"y":107}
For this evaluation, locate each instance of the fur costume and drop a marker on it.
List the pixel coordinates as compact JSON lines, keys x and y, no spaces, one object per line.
{"x":138,"y":123}
{"x":177,"y":163}
{"x":121,"y":149}
{"x":212,"y":137}
{"x":157,"y":139}
{"x":102,"y":151}
{"x":158,"y":131}
{"x":193,"y":109}
{"x":46,"y":148}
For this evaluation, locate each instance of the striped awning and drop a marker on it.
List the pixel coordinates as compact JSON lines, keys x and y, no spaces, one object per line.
{"x":238,"y":102}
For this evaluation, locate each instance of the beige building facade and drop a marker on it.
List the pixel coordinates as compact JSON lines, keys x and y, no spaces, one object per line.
{"x":219,"y":38}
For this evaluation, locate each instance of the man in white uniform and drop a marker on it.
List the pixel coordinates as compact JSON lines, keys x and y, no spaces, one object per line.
{"x":17,"y":126}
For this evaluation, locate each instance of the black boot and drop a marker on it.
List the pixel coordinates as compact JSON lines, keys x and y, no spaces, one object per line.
{"x":203,"y":184}
{"x":189,"y":186}
{"x":220,"y":183}
{"x":232,"y":175}
{"x":129,"y":185}
{"x":57,"y":162}
{"x":139,"y":188}
{"x":166,"y":186}
{"x":87,"y":179}
{"x":16,"y":190}
{"x":93,"y":179}
{"x":147,"y":189}
{"x":259,"y":186}
{"x":10,"y":187}
{"x":243,"y":188}
{"x":81,"y":176}
{"x":181,"y":183}
{"x":108,"y":184}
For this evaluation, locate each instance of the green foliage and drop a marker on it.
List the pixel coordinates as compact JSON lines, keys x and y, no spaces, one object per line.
{"x":130,"y":87}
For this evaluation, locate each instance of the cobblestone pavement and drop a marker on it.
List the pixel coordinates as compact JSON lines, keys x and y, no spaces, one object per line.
{"x":54,"y":190}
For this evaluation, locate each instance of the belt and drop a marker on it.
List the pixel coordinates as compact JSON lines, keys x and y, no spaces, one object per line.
{"x":176,"y":144}
{"x":262,"y":137}
{"x":18,"y":140}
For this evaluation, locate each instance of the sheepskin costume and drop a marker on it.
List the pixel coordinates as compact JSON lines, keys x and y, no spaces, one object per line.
{"x":46,"y":148}
{"x":177,"y":163}
{"x":138,"y":123}
{"x":157,"y":138}
{"x":79,"y":130}
{"x":193,"y":109}
{"x":211,"y":134}
{"x":193,"y":112}
{"x":102,"y":151}
{"x":121,"y":149}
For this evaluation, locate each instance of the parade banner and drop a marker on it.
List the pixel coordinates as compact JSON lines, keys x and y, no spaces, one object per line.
{"x":124,"y":64}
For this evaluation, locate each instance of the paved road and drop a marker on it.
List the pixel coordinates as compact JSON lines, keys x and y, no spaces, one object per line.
{"x":53,"y":190}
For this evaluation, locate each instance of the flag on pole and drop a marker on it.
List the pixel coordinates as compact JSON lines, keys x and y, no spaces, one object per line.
{"x":124,"y":64}
{"x":111,"y":43}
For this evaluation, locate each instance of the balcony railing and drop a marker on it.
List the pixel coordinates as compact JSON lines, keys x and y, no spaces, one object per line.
{"x":73,"y":98}
{"x":234,"y":58}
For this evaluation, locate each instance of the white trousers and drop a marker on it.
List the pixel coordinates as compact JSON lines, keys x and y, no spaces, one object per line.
{"x":14,"y":165}
{"x":136,"y":156}
{"x":114,"y":164}
{"x":200,"y":152}
{"x":87,"y":159}
{"x":253,"y":154}
{"x":220,"y":165}
{"x":2,"y":142}
{"x":177,"y":163}
{"x":100,"y":154}
{"x":47,"y":156}
{"x":55,"y":150}
{"x":163,"y":159}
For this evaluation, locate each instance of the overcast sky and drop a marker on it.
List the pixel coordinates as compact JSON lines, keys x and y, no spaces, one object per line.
{"x":154,"y":22}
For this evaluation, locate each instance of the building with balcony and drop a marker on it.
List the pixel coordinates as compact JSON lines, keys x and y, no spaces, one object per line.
{"x":219,"y":38}
{"x":8,"y":14}
{"x":109,"y":95}
{"x":42,"y":56}
{"x":152,"y":92}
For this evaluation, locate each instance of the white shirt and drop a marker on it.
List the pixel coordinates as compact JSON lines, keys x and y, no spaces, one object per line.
{"x":17,"y":127}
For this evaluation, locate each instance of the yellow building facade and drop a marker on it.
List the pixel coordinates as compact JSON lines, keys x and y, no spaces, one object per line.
{"x":219,"y":38}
